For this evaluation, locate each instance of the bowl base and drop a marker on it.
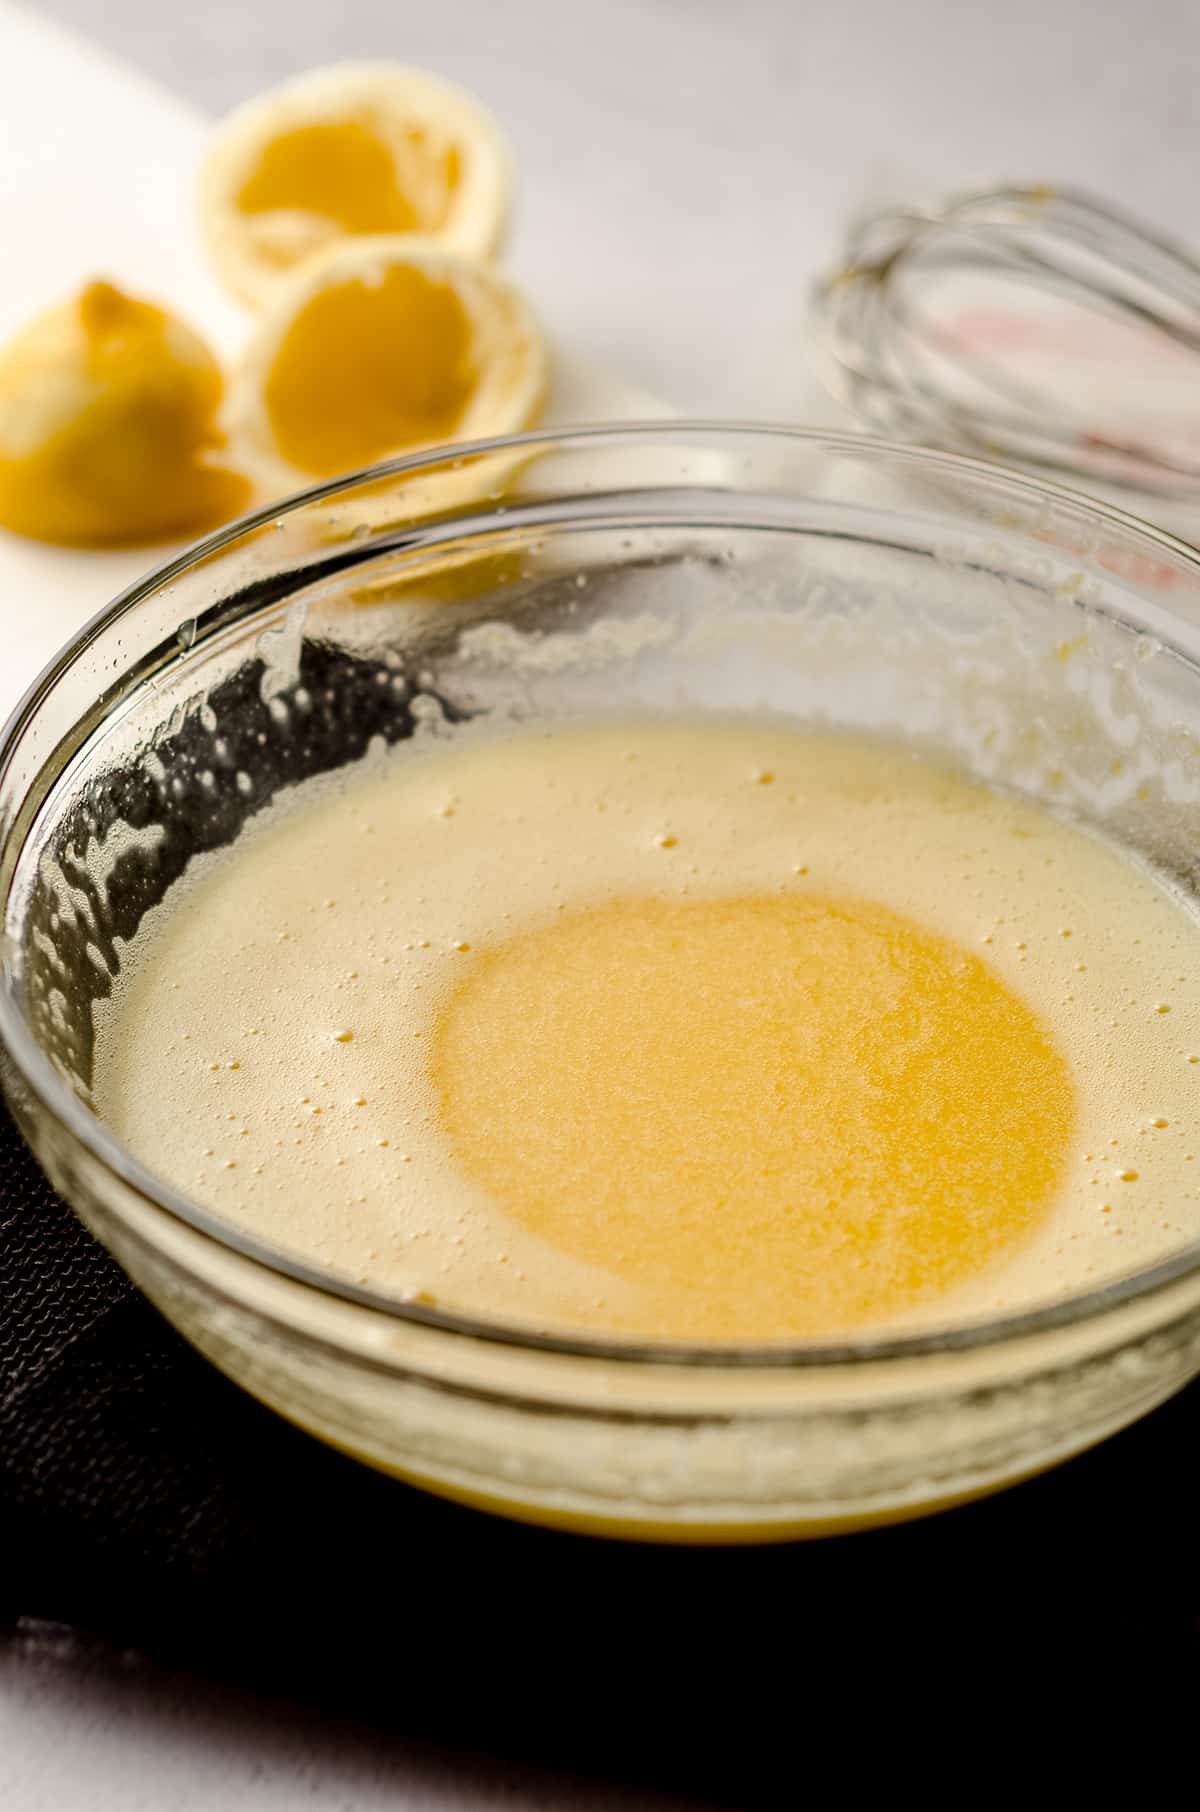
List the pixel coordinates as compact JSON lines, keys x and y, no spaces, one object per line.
{"x":669,"y":1531}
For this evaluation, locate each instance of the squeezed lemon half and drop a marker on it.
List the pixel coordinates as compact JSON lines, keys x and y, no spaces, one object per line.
{"x":382,"y":346}
{"x":357,"y":148}
{"x":356,"y":206}
{"x":108,"y":426}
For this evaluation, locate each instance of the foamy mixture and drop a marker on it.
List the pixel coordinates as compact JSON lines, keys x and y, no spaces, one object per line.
{"x":704,"y":1029}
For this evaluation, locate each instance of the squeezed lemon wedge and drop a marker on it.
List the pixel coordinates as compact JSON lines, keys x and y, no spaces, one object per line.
{"x":358,"y":148}
{"x":108,"y":426}
{"x":383,"y":346}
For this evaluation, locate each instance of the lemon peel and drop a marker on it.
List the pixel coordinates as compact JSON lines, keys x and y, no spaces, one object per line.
{"x":356,"y":148}
{"x":383,"y":346}
{"x":108,"y":426}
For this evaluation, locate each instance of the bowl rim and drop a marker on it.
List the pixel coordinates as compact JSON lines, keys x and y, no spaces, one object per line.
{"x":60,"y":1101}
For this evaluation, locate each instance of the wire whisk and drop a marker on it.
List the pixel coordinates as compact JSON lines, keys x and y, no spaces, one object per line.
{"x":1034,"y":325}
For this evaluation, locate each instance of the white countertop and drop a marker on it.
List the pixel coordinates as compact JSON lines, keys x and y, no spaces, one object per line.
{"x":687,"y":166}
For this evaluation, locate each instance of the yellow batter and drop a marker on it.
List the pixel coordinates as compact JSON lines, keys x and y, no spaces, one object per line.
{"x":685,"y":1028}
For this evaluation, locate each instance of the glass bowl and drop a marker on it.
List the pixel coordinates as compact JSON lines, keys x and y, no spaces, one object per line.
{"x":1029,"y":634}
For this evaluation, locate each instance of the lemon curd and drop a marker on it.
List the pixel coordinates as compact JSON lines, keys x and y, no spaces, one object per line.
{"x":700,"y":1029}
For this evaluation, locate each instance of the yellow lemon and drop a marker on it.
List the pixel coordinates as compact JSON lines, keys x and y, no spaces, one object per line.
{"x":108,"y":426}
{"x":380,"y":347}
{"x":359,"y":148}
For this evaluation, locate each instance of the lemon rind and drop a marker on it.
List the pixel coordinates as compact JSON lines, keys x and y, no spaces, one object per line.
{"x":499,"y":406}
{"x":479,"y":216}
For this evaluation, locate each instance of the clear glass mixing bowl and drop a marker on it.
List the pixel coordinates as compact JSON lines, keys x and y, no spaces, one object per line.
{"x":1044,"y":642}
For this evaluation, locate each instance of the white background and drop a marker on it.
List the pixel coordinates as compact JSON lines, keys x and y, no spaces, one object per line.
{"x":688,"y":164}
{"x":687,"y":167}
